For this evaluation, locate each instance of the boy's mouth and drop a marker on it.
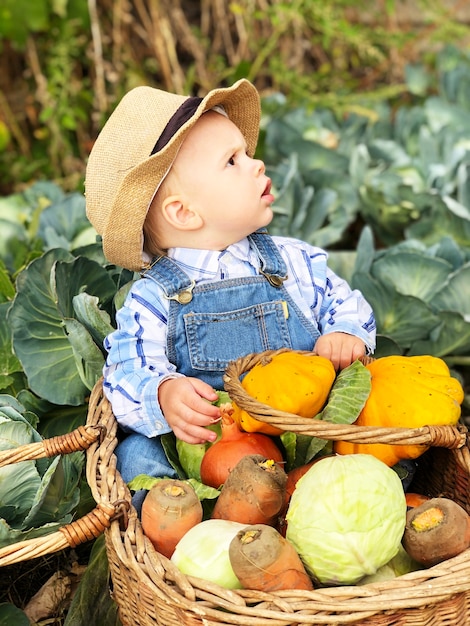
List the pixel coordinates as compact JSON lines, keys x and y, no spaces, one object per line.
{"x":267,"y":195}
{"x":267,"y":189}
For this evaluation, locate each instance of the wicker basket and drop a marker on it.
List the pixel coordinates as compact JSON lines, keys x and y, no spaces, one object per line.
{"x":70,"y":535}
{"x":149,"y":589}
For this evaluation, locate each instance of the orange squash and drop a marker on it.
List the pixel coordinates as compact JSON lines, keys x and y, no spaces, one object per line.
{"x":289,"y":381}
{"x":406,"y":392}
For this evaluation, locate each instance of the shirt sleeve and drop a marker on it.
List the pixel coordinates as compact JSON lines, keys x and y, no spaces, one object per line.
{"x":137,"y":363}
{"x":325,"y":297}
{"x":346,"y":310}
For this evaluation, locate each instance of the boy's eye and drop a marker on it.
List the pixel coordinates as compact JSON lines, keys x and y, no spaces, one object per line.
{"x":231,"y":161}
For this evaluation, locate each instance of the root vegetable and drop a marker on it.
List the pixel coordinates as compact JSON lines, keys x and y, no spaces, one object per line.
{"x":436,"y":530}
{"x":233,"y":445}
{"x":169,"y":510}
{"x":254,"y":492}
{"x":263,"y":560}
{"x":415,"y":499}
{"x":294,"y":475}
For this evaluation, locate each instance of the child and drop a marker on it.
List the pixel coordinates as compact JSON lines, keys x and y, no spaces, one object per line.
{"x":173,"y":188}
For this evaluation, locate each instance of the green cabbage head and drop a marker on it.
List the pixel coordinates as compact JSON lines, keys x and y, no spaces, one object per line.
{"x":346,"y":518}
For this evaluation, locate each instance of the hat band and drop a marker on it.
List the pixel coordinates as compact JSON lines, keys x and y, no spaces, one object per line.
{"x":182,"y":114}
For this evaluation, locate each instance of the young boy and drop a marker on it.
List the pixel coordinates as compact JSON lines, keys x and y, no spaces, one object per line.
{"x":174,"y":189}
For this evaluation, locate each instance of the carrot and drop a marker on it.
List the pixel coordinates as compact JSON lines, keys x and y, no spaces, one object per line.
{"x":436,"y":530}
{"x":169,"y":510}
{"x":263,"y":560}
{"x":415,"y":499}
{"x":254,"y":492}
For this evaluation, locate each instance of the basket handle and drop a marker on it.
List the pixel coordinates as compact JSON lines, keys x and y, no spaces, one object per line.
{"x":76,"y":441}
{"x":88,"y":527}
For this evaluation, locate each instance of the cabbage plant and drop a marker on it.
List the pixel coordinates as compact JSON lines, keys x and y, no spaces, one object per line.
{"x":36,"y":497}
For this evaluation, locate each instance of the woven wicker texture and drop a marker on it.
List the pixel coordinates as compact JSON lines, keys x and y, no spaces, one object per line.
{"x":149,"y":590}
{"x":70,"y":535}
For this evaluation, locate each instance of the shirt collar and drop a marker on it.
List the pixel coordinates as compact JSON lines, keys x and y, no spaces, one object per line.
{"x":206,"y":263}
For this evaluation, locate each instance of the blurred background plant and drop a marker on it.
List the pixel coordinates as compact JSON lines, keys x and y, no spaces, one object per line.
{"x":65,"y":64}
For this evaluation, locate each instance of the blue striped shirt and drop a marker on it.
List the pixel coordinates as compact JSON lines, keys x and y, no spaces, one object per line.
{"x":137,"y":362}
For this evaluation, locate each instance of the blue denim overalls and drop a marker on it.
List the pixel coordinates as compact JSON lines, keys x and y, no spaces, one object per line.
{"x":213,"y":323}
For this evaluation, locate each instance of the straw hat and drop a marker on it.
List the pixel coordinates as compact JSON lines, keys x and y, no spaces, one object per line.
{"x":135,"y":150}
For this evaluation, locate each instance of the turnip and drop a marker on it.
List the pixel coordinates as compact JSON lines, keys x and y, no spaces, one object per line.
{"x":436,"y":530}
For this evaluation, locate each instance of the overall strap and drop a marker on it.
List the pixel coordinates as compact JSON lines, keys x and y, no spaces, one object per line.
{"x":170,"y":277}
{"x":272,"y":267}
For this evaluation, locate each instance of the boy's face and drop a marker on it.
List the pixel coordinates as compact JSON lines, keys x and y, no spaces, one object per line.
{"x":219,"y":181}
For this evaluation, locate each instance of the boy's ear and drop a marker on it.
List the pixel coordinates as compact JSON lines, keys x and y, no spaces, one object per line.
{"x":179,"y":215}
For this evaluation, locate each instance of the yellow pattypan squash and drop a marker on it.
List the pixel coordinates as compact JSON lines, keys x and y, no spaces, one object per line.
{"x":290,"y":381}
{"x":406,"y":392}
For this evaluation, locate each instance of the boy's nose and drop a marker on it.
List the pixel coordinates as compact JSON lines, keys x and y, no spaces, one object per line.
{"x":260,"y":166}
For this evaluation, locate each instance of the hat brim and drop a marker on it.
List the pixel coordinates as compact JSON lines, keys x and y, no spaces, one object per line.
{"x":123,"y":230}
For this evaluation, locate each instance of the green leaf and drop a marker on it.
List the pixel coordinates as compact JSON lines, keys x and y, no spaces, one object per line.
{"x":143,"y":481}
{"x":405,"y":319}
{"x":14,"y":410}
{"x":62,"y":419}
{"x":441,"y":113}
{"x":40,"y":320}
{"x":348,"y":395}
{"x":289,"y":441}
{"x":58,"y":495}
{"x":7,"y":289}
{"x":417,"y":79}
{"x":10,"y":614}
{"x":20,"y":17}
{"x":168,"y":441}
{"x":203,"y":492}
{"x":411,"y":273}
{"x":18,"y":481}
{"x":89,"y":359}
{"x":95,"y":320}
{"x":39,"y":339}
{"x":62,"y":223}
{"x":9,"y":363}
{"x":365,"y":253}
{"x":359,"y":164}
{"x":80,"y":275}
{"x":454,"y":295}
{"x":436,"y":222}
{"x":450,"y":337}
{"x":92,"y":602}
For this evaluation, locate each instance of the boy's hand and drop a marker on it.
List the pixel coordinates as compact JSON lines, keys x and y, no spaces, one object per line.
{"x":340,"y":348}
{"x":185,"y":403}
